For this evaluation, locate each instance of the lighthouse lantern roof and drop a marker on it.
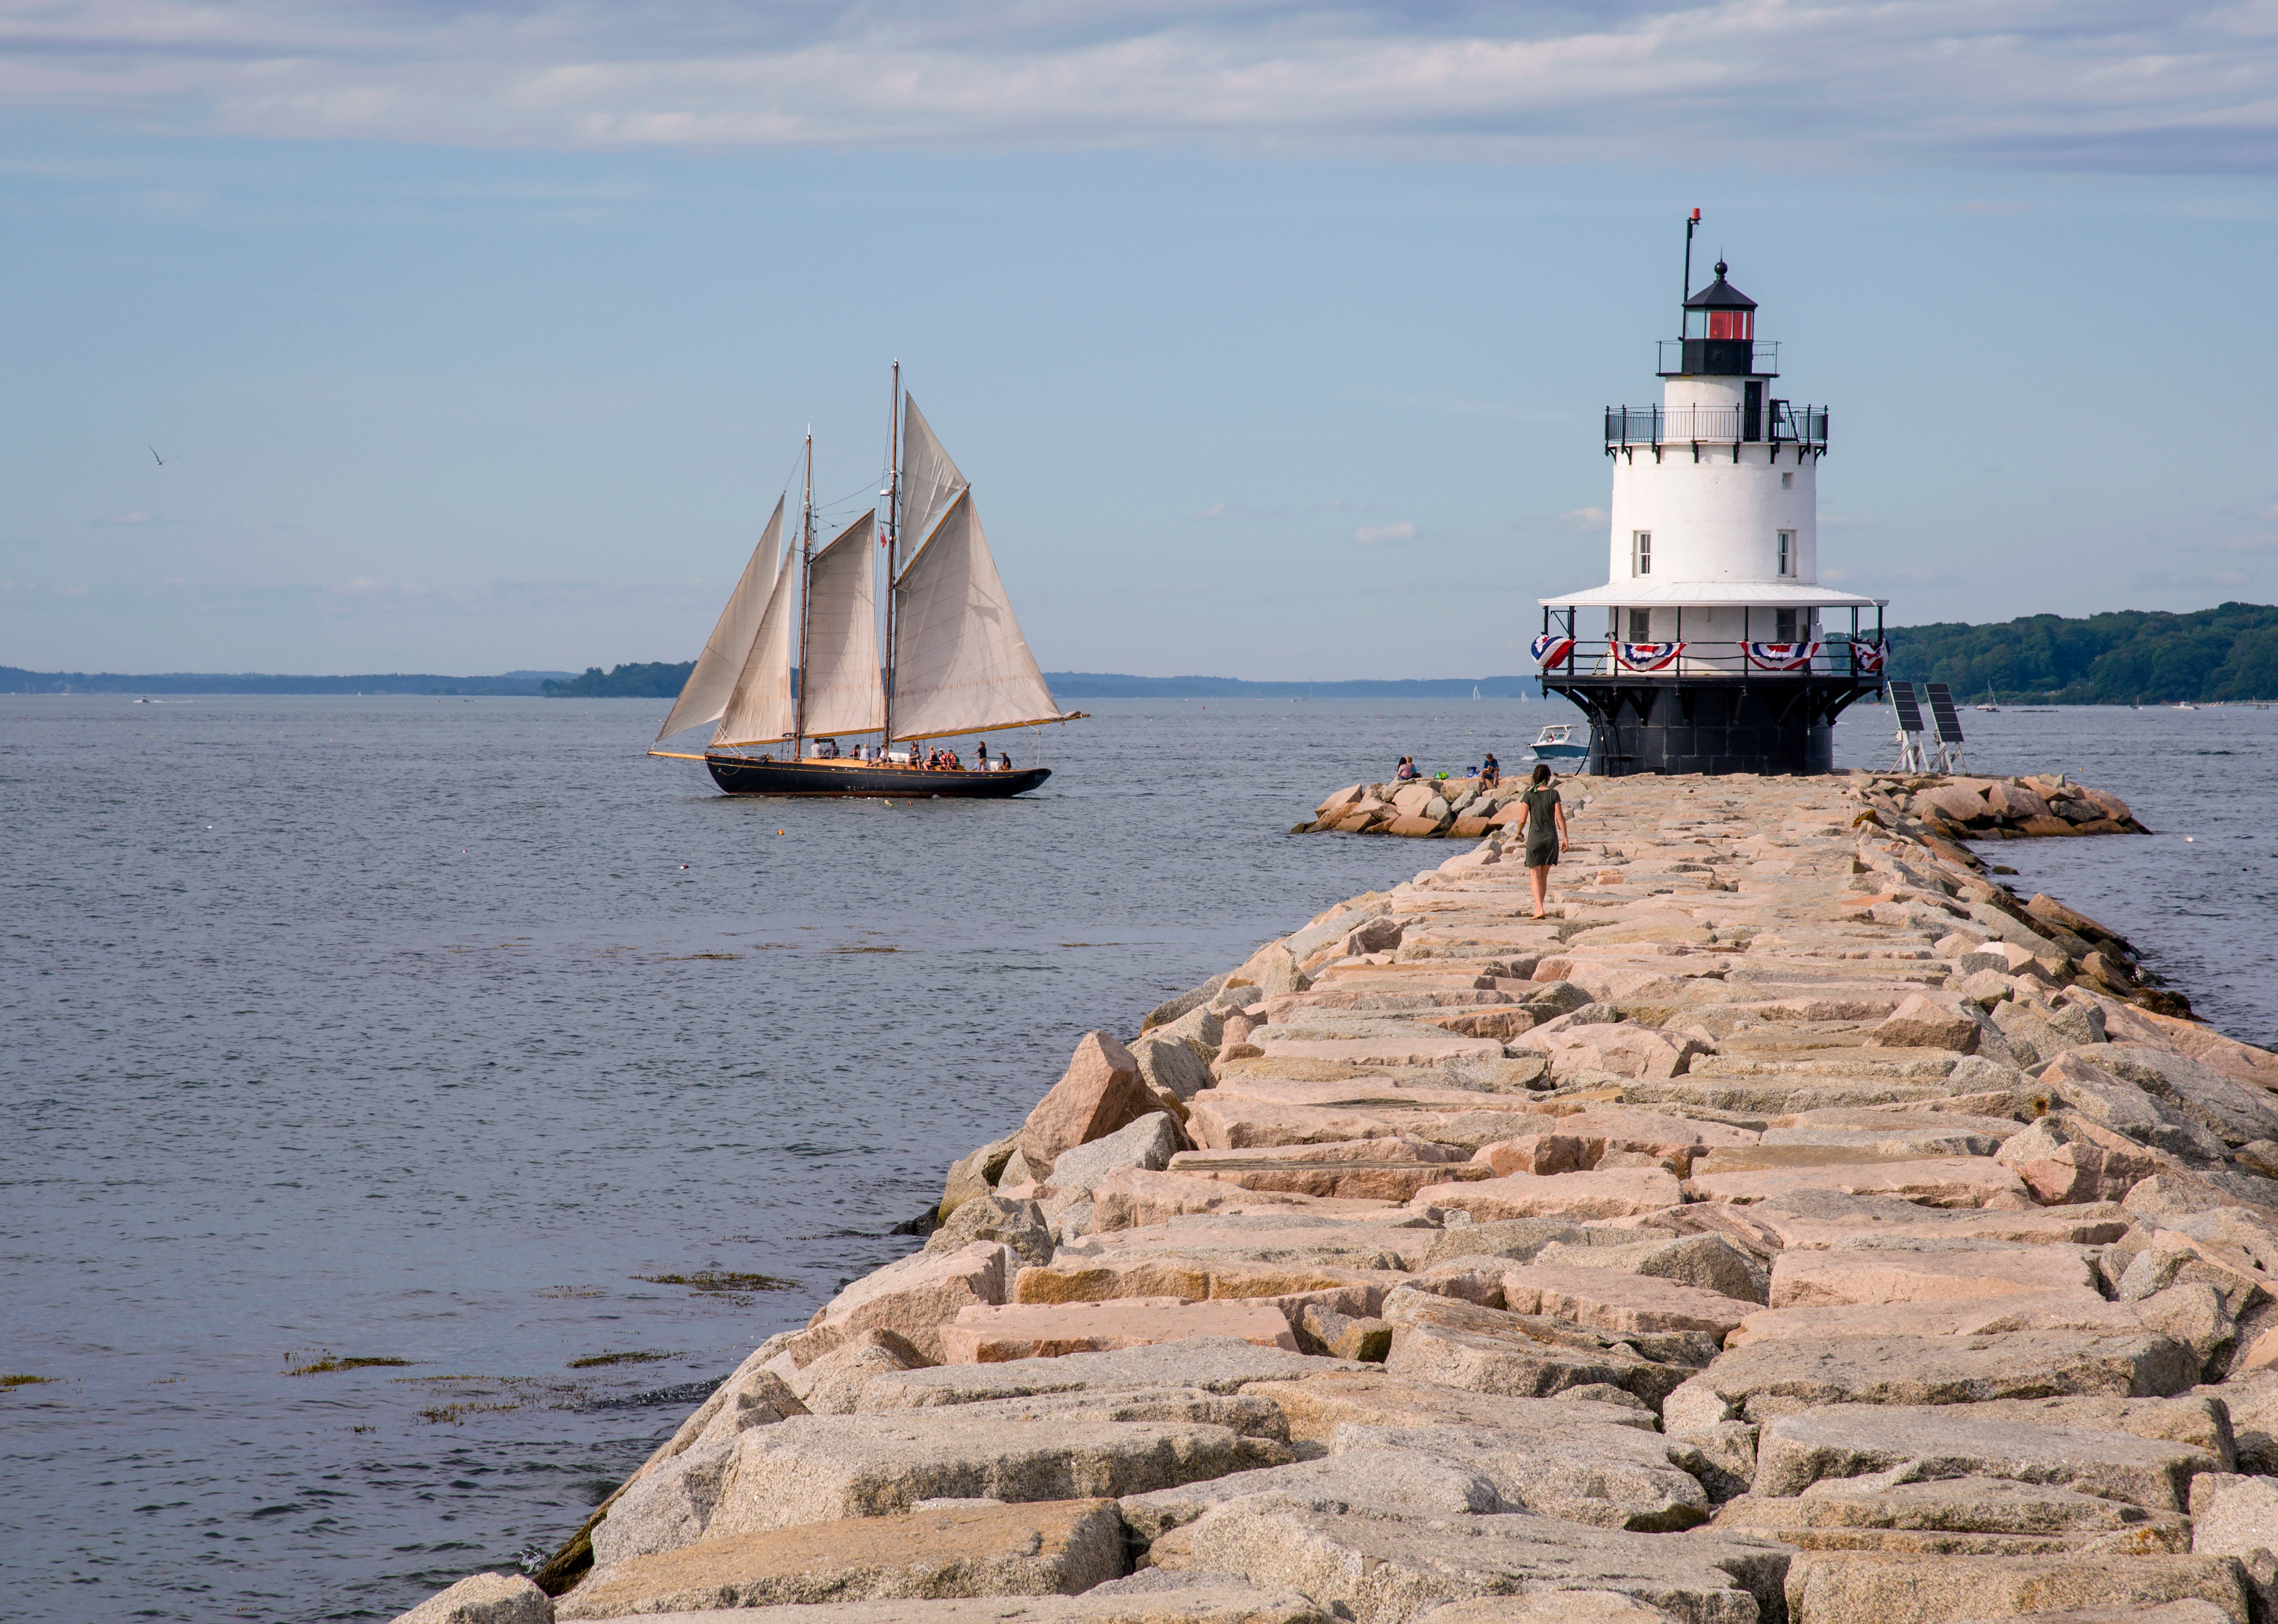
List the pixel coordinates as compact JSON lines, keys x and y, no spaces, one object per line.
{"x":1720,"y":295}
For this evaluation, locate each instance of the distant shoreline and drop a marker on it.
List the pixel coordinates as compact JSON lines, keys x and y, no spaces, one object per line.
{"x":16,"y":681}
{"x":662,"y":681}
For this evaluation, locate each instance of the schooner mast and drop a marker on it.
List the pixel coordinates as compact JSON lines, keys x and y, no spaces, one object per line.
{"x":805,"y":599}
{"x":893,"y":495}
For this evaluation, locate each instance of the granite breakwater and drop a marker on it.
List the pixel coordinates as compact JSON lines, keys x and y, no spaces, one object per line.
{"x":1950,"y":807}
{"x":1796,"y":1225}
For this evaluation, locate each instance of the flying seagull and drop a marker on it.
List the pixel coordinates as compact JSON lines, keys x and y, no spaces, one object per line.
{"x":159,"y":460}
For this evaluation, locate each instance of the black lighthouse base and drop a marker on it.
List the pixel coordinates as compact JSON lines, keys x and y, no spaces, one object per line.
{"x":1759,"y":723}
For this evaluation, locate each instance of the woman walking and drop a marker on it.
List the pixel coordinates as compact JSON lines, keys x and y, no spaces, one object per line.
{"x":1546,"y":832}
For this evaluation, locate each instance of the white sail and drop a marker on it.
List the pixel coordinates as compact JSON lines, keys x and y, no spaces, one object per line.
{"x":759,"y":711}
{"x":930,"y":481}
{"x":704,"y":697}
{"x":961,"y":663}
{"x":841,"y":685}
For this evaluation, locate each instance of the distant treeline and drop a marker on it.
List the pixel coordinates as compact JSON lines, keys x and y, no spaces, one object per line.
{"x":654,"y":681}
{"x":14,"y":680}
{"x":2227,"y":652}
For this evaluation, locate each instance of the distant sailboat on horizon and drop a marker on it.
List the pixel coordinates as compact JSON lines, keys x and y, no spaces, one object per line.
{"x":955,"y":661}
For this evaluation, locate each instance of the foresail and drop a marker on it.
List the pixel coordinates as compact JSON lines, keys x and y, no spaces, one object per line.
{"x":759,"y":710}
{"x":962,"y":665}
{"x":842,"y":688}
{"x":930,"y":481}
{"x":704,"y":697}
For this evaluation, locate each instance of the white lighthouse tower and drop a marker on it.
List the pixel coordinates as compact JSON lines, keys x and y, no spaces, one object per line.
{"x":1709,"y":650}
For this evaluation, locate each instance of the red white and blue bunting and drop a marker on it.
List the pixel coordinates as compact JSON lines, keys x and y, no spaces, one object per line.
{"x":1647,"y":656}
{"x":1551,"y":649}
{"x":1781,"y":656}
{"x":1871,"y":657}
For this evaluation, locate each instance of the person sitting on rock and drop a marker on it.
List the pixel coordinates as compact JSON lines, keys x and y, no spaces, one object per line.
{"x":1407,"y":769}
{"x":1490,"y":772}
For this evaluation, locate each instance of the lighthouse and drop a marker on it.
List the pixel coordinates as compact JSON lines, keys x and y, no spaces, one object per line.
{"x":1712,"y":647}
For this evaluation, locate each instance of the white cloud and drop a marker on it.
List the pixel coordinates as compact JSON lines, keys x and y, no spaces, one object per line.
{"x":1369,"y":534}
{"x":2124,"y":85}
{"x":1582,"y":520}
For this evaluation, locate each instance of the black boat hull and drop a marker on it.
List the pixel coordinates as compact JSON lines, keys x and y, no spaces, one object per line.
{"x":738,"y":775}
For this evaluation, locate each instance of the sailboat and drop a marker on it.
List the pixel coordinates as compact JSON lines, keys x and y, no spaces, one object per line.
{"x":1989,"y":703}
{"x":955,"y":660}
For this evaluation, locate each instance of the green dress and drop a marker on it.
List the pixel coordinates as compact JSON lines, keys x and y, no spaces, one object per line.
{"x":1541,"y":826}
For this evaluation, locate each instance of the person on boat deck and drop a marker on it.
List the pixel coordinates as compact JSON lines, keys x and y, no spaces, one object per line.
{"x":1004,"y":762}
{"x":1490,"y":772}
{"x":1407,"y":769}
{"x":826,"y":750}
{"x":1546,"y":830}
{"x":980,"y":756}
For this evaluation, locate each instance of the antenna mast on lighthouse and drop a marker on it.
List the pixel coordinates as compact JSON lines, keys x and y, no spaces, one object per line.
{"x":1686,"y":293}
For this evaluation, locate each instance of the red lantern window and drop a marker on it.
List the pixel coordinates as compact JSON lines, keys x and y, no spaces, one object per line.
{"x":1732,"y":324}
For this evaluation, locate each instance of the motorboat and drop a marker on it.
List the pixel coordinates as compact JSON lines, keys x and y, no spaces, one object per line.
{"x":1556,"y":743}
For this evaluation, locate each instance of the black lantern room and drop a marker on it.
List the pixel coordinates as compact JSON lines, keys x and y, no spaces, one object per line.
{"x":1720,"y":333}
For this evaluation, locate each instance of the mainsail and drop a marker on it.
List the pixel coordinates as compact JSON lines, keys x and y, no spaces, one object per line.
{"x":758,"y":712}
{"x":704,"y":697}
{"x":841,"y":687}
{"x":961,"y":663}
{"x":930,"y":481}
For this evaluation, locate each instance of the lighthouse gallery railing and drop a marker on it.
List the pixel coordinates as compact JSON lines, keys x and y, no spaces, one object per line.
{"x":1778,"y":422}
{"x":1588,"y":657}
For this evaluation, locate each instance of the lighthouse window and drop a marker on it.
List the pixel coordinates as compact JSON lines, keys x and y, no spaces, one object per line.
{"x":1641,"y":552}
{"x":1784,"y":625}
{"x":1640,"y":625}
{"x":1787,"y":552}
{"x":1732,"y":324}
{"x":1787,"y":481}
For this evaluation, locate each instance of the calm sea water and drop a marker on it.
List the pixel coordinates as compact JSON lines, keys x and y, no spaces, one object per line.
{"x":391,"y":1029}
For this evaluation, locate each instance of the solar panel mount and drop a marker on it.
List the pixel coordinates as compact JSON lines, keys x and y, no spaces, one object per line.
{"x":1941,"y":708}
{"x":1902,"y":701}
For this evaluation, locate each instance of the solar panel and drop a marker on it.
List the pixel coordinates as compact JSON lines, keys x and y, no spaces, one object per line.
{"x":1902,"y":701}
{"x":1941,"y":706}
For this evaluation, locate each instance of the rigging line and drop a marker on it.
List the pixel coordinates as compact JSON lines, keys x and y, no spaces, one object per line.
{"x":869,"y":487}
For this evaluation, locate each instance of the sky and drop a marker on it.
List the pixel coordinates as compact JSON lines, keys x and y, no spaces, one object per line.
{"x":1273,"y":339}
